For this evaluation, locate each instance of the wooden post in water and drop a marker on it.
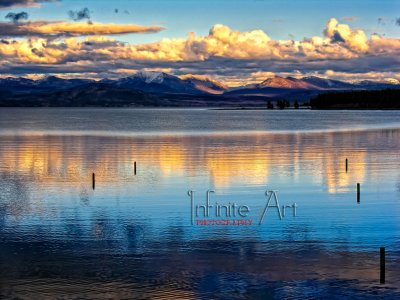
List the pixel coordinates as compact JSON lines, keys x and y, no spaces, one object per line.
{"x":93,"y":181}
{"x":358,"y":193}
{"x":382,"y":265}
{"x":134,"y":167}
{"x":347,"y":164}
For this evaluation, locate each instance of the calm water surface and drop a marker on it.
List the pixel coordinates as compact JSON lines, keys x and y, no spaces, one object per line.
{"x":132,"y":236}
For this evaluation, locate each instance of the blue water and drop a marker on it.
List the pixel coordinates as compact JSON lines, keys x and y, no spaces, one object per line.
{"x":128,"y":122}
{"x":132,"y":236}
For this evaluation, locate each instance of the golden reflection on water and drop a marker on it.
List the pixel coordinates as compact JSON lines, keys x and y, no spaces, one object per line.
{"x":48,"y":162}
{"x":226,"y":160}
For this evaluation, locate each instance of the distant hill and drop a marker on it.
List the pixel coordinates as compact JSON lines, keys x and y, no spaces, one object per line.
{"x":92,"y":94}
{"x":162,"y":89}
{"x":160,"y":82}
{"x":306,"y":87}
{"x":49,"y":83}
{"x":154,"y":82}
{"x":327,"y":84}
{"x":286,"y":83}
{"x":99,"y":94}
{"x":206,"y":85}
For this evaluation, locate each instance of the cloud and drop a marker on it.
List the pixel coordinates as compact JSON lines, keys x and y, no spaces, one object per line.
{"x":58,"y":29}
{"x":380,"y":44}
{"x":231,"y":55}
{"x":373,"y":75}
{"x":339,"y":42}
{"x":16,"y":17}
{"x":23,"y":3}
{"x":349,"y":18}
{"x":398,"y":21}
{"x":79,"y":15}
{"x":337,"y":38}
{"x":356,"y":40}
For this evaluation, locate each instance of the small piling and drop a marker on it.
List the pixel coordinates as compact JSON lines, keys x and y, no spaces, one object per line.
{"x":382,"y":279}
{"x":358,"y":193}
{"x":93,"y":181}
{"x":134,"y":167}
{"x":347,"y":164}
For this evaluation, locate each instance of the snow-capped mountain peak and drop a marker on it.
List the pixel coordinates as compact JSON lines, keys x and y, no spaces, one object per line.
{"x":150,"y":76}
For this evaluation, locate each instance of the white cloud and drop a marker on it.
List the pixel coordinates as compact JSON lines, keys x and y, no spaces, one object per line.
{"x":223,"y":52}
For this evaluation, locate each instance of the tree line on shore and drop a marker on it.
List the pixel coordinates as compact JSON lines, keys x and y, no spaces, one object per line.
{"x":361,"y":99}
{"x":282,"y":104}
{"x":376,"y":99}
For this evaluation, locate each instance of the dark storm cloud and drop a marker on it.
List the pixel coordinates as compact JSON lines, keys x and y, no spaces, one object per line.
{"x":22,"y":3}
{"x":16,"y":17}
{"x":79,"y":15}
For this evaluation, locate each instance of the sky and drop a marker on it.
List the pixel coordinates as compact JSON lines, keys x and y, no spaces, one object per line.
{"x":236,"y":42}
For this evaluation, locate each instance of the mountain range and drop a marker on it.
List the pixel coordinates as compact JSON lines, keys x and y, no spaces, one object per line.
{"x":159,"y":89}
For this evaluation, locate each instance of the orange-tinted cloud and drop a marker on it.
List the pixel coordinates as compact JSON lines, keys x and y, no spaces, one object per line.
{"x":356,"y":40}
{"x":247,"y":56}
{"x":51,"y":29}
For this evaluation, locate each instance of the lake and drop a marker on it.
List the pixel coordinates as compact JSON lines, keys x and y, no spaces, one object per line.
{"x":142,"y":236}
